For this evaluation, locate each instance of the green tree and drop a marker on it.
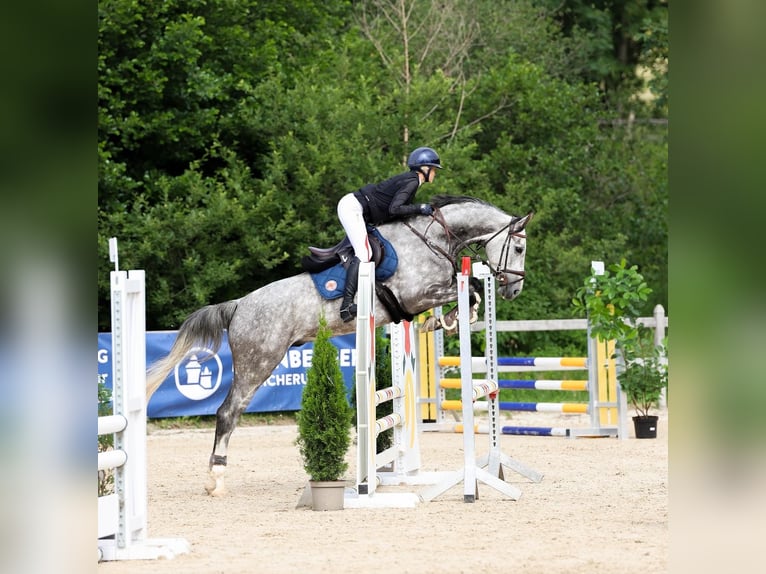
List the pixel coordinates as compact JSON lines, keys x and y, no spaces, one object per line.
{"x":615,"y":37}
{"x":325,"y":415}
{"x":177,"y":165}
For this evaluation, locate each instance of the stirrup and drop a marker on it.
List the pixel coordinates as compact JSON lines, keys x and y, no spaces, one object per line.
{"x":348,"y":313}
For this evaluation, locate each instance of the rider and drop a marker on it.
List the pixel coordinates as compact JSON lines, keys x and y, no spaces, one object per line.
{"x":377,"y":203}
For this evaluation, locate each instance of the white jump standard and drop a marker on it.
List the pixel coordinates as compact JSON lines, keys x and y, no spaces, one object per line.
{"x":123,"y":515}
{"x":400,"y":463}
{"x":489,"y":468}
{"x":403,"y":456}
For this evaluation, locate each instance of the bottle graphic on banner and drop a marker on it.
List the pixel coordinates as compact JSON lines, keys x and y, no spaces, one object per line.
{"x":206,"y":378}
{"x":193,"y":369}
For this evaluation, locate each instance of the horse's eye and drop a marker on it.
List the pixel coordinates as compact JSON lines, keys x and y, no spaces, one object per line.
{"x":519,"y":249}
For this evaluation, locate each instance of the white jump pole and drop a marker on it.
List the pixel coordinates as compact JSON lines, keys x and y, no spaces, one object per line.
{"x":404,"y":369}
{"x":365,"y":380}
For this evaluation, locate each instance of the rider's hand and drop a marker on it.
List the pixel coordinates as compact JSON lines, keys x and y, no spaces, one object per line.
{"x":426,"y":209}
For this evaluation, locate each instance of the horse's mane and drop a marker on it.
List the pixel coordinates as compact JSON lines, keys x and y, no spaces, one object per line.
{"x":442,"y":200}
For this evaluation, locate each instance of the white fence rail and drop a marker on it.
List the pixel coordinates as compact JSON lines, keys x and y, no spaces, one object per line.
{"x":659,"y":322}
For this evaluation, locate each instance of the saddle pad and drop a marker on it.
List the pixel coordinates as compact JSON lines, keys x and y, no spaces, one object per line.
{"x":330,"y":282}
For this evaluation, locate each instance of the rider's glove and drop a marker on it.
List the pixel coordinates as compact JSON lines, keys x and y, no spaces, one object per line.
{"x":426,"y":209}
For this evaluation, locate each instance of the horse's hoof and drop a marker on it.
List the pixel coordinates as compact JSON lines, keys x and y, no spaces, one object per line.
{"x":216,"y":492}
{"x":449,"y":322}
{"x":430,"y":324}
{"x":215,"y":485}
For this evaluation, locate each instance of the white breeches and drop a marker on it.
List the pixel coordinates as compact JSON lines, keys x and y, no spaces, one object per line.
{"x":351,"y":218}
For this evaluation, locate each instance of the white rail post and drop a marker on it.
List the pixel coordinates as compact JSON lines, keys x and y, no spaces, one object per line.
{"x":473,"y":470}
{"x":470,"y":490}
{"x":365,"y":380}
{"x":129,"y":399}
{"x":659,"y":335}
{"x":129,"y":426}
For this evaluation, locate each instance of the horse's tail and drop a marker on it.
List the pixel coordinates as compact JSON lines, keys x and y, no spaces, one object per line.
{"x":203,"y":328}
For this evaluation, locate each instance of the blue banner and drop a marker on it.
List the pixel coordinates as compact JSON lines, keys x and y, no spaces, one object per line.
{"x":200,"y":382}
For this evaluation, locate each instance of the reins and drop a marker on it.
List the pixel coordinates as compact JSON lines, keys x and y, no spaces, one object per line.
{"x":435,"y":248}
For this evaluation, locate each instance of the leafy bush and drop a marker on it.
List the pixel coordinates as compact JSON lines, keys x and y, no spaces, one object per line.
{"x":612,"y":303}
{"x":645,"y":374}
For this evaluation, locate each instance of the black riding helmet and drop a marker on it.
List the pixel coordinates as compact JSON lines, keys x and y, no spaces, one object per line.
{"x":423,"y":156}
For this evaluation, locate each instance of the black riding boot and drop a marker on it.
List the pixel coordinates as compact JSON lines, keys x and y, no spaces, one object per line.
{"x":348,"y":307}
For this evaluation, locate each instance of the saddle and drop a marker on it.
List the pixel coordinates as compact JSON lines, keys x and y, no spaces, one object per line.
{"x":327,"y":266}
{"x":324,"y":258}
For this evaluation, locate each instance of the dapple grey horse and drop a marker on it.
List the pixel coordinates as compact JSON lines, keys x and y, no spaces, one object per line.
{"x":263,"y":324}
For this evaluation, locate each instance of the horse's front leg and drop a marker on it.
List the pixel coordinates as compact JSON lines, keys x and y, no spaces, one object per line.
{"x":449,"y":320}
{"x":226,"y":418}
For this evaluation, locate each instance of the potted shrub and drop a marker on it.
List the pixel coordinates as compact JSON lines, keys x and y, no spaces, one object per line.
{"x":643,"y":377}
{"x":612,"y":303}
{"x":323,"y":424}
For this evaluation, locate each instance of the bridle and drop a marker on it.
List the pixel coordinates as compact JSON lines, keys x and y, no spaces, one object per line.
{"x":500,"y":272}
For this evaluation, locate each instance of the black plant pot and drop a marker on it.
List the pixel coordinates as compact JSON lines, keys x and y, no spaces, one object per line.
{"x":646,"y":427}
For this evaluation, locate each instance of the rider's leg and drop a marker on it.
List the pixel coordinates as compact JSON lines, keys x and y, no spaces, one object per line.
{"x":351,"y":217}
{"x":348,"y":307}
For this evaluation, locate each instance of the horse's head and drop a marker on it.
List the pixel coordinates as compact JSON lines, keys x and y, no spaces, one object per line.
{"x":467,"y":224}
{"x":506,"y":251}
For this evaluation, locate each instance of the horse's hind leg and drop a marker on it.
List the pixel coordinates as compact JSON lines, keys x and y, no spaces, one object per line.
{"x":226,"y":418}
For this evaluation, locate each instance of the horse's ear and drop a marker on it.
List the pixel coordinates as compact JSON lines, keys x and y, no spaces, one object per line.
{"x":521,"y":222}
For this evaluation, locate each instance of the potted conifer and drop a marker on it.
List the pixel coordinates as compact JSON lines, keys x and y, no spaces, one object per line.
{"x":323,"y":424}
{"x":612,"y":303}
